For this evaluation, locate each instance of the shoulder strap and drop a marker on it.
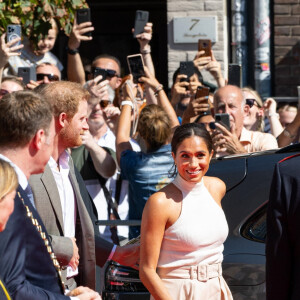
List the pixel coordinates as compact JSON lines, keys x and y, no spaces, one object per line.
{"x":110,"y":203}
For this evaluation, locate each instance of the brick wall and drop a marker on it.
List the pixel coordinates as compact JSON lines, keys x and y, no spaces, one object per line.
{"x":197,"y":8}
{"x":287,"y":47}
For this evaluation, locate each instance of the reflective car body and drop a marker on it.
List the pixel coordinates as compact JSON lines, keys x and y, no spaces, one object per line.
{"x":248,"y":179}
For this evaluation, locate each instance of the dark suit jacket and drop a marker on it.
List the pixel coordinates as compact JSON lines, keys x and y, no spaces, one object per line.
{"x":283,"y":232}
{"x":25,"y":265}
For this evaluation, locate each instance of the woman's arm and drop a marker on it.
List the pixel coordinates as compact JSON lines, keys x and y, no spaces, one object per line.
{"x":270,"y":106}
{"x":124,"y":125}
{"x":154,"y":221}
{"x":162,"y":99}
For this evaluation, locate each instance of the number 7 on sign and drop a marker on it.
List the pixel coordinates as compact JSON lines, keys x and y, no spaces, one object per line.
{"x":196,"y":21}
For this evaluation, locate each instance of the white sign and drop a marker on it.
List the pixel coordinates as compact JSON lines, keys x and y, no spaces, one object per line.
{"x":191,"y":29}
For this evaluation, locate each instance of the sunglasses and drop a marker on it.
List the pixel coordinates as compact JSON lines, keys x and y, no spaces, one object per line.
{"x":51,"y":77}
{"x":250,"y":102}
{"x":3,"y":92}
{"x":108,"y":72}
{"x":211,"y":125}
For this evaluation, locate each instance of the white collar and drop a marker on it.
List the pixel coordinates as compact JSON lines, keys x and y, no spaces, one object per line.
{"x":23,"y":182}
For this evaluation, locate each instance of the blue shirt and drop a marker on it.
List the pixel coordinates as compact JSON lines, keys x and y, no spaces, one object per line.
{"x":147,"y":173}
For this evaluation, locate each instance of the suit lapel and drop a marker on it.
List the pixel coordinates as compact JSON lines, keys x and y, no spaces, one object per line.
{"x":51,"y":188}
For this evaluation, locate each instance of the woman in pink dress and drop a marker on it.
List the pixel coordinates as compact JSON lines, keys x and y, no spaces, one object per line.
{"x":184,"y":227}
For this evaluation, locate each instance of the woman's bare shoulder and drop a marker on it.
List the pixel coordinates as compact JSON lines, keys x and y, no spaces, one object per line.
{"x":216,"y":187}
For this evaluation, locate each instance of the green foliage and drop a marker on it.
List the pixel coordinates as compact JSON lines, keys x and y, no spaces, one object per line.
{"x":35,"y":16}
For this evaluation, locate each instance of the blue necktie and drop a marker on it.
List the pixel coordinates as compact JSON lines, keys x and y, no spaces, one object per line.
{"x":28,"y":191}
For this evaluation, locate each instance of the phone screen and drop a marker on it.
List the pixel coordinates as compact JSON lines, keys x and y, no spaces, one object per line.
{"x":136,"y":66}
{"x":223,"y":119}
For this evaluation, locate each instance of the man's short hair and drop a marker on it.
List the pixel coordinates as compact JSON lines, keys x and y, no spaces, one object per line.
{"x":22,"y":114}
{"x":108,"y":57}
{"x":64,"y":96}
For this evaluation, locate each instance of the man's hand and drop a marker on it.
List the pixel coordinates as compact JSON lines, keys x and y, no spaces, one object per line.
{"x":74,"y":262}
{"x":180,"y":90}
{"x":145,"y":37}
{"x":8,"y":49}
{"x":84,"y":293}
{"x":225,"y":141}
{"x":77,"y":34}
{"x":128,"y":255}
{"x":33,"y":84}
{"x":98,"y":89}
{"x":88,"y":140}
{"x":197,"y":106}
{"x":111,"y":116}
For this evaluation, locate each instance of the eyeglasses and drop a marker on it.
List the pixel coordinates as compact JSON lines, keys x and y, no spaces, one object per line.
{"x":108,"y":72}
{"x":250,"y":102}
{"x":3,"y":92}
{"x":51,"y":77}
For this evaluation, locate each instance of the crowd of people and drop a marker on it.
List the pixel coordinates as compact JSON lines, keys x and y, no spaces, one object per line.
{"x":93,"y":147}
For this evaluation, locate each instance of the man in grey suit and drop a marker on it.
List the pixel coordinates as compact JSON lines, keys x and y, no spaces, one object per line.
{"x":67,"y":215}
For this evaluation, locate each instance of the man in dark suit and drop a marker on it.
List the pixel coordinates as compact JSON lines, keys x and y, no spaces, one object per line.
{"x":28,"y":266}
{"x":283,"y":232}
{"x":58,"y":197}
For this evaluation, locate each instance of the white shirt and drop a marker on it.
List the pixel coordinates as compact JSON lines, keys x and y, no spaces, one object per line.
{"x":23,"y":182}
{"x":67,"y":197}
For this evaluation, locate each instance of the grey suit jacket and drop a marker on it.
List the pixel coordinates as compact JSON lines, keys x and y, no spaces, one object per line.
{"x":48,"y":205}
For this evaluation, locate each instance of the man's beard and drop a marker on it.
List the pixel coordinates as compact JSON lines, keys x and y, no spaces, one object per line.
{"x":71,"y":138}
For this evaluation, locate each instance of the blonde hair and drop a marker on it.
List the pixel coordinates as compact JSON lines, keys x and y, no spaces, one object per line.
{"x":8,"y":179}
{"x":154,"y":126}
{"x":261,"y":121}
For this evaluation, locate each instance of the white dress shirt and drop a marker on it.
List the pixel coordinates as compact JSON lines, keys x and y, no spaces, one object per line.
{"x":67,"y":197}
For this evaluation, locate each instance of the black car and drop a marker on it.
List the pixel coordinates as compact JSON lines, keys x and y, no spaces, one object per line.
{"x":248,"y":179}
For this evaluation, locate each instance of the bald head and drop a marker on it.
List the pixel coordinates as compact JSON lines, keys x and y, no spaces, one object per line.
{"x":229,"y":99}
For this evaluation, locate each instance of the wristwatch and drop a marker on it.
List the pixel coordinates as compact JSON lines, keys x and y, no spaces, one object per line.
{"x":288,"y":134}
{"x":72,"y":51}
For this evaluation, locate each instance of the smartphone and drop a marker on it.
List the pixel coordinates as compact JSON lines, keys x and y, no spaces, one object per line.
{"x":187,"y":68}
{"x":204,"y":45}
{"x":235,"y":74}
{"x":136,"y":66}
{"x":141,"y":19}
{"x":13,"y":31}
{"x":202,"y":91}
{"x":27,"y":73}
{"x":98,"y":72}
{"x":223,"y":119}
{"x":83,"y":15}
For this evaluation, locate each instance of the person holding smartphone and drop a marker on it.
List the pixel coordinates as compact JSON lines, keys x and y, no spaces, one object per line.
{"x":238,"y":139}
{"x":31,"y":55}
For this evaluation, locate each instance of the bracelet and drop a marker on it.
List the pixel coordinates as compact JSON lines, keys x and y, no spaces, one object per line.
{"x":159,"y":88}
{"x":274,"y":115}
{"x":146,"y":51}
{"x":72,"y":51}
{"x":127,"y":102}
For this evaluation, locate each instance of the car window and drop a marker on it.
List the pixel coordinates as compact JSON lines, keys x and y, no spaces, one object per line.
{"x":255,"y":227}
